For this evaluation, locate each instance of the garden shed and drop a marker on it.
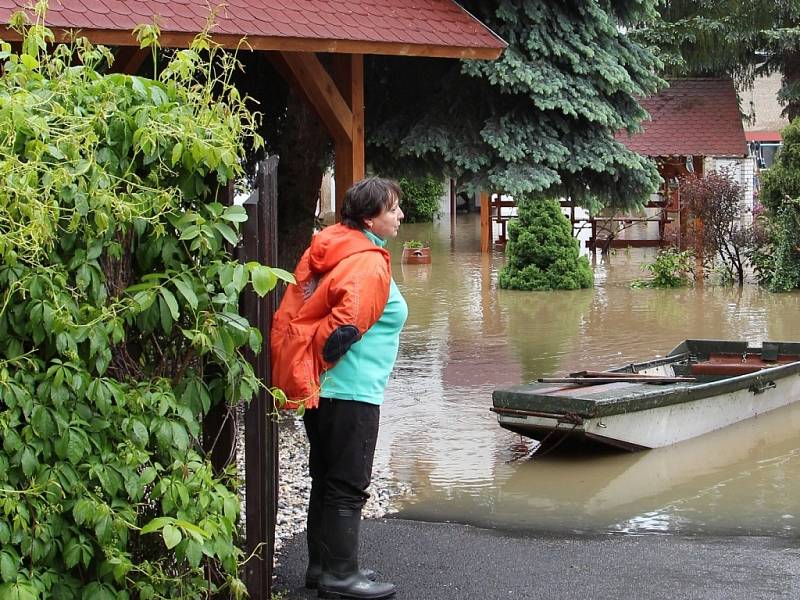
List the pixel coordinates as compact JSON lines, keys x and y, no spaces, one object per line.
{"x":291,"y":35}
{"x":695,"y":127}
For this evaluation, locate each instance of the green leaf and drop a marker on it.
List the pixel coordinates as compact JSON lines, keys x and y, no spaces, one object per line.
{"x":186,"y":291}
{"x":240,"y":277}
{"x":148,"y":476}
{"x":172,"y":303}
{"x":156,"y":524}
{"x":164,"y":315}
{"x":28,"y":461}
{"x":196,"y":532}
{"x":236,"y":321}
{"x":72,"y":553}
{"x":227,"y":232}
{"x":230,"y":507}
{"x":42,"y":422}
{"x":83,"y":511}
{"x":75,"y":448}
{"x":172,"y":536}
{"x":98,"y":591}
{"x":18,"y":591}
{"x":138,"y":86}
{"x":235,"y":214}
{"x":179,"y":436}
{"x":255,"y":340}
{"x":139,"y":432}
{"x":8,"y":567}
{"x":194,"y":553}
{"x":263,"y":279}
{"x":283,"y":275}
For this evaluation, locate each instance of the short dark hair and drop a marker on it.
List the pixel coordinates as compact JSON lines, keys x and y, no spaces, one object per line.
{"x":368,"y":198}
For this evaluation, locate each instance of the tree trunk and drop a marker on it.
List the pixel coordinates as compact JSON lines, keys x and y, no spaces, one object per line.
{"x":303,"y":150}
{"x":791,"y":79}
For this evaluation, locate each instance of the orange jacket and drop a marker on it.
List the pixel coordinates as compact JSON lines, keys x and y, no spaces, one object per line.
{"x":343,"y":278}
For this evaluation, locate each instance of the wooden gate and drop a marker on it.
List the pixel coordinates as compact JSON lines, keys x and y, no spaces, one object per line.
{"x":222,"y":428}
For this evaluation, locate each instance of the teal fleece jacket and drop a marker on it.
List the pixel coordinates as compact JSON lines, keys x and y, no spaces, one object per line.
{"x":362,"y":373}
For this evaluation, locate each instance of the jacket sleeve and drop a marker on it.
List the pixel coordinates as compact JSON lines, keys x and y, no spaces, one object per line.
{"x":357,"y":295}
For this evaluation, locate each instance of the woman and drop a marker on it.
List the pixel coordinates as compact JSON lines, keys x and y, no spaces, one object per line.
{"x":334,"y":343}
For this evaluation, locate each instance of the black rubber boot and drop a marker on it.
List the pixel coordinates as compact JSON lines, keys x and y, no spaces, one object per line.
{"x":314,"y":541}
{"x":341,"y":577}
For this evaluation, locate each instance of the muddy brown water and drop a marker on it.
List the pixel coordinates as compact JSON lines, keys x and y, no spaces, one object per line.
{"x":465,"y":337}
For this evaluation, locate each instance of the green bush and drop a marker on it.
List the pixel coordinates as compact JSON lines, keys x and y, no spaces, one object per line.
{"x":672,"y":268}
{"x":782,"y":180}
{"x":776,"y":259}
{"x":421,"y":198}
{"x":119,"y":321}
{"x":542,"y":254}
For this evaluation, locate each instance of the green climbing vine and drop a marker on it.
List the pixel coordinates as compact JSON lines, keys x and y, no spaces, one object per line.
{"x":119,"y":319}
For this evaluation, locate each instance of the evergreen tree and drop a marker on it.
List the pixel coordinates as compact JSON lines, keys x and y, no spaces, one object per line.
{"x":540,"y":120}
{"x":730,"y":38}
{"x":542,"y":254}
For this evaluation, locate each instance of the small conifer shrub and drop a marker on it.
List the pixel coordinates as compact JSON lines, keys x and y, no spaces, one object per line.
{"x":542,"y":254}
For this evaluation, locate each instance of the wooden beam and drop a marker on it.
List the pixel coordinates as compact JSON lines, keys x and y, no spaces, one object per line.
{"x":319,"y":88}
{"x":172,"y":39}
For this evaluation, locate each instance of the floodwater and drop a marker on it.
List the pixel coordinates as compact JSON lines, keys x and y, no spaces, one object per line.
{"x":465,"y":337}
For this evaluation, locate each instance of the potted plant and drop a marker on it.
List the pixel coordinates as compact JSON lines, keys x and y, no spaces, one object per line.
{"x":416,"y":252}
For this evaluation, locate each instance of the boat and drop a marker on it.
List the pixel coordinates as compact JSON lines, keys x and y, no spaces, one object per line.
{"x":700,"y":386}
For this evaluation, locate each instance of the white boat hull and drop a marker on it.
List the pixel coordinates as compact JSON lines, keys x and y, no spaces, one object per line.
{"x":666,"y":425}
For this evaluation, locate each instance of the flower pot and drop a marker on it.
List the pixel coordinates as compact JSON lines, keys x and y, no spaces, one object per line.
{"x":416,"y":256}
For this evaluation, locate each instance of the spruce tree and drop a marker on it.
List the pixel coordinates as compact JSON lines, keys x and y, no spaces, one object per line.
{"x":541,"y":252}
{"x":540,"y":120}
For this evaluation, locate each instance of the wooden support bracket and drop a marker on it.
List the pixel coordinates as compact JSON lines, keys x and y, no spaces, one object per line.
{"x":129,"y":60}
{"x":319,"y":88}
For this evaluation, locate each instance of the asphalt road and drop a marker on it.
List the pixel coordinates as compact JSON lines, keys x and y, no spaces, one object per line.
{"x":444,"y":561}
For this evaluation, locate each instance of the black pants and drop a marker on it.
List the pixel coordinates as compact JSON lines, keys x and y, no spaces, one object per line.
{"x":342,"y":436}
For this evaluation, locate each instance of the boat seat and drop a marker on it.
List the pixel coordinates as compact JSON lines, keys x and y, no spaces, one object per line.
{"x":725,"y":364}
{"x":724,"y":369}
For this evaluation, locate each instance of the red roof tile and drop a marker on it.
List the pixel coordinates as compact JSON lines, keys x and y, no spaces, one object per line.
{"x":692,"y":116}
{"x":427,"y":27}
{"x":763,"y":136}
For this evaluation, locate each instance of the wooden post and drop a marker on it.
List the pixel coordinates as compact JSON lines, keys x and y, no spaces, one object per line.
{"x":348,"y":73}
{"x":698,"y":251}
{"x":261,"y":432}
{"x":453,"y":203}
{"x":486,"y":223}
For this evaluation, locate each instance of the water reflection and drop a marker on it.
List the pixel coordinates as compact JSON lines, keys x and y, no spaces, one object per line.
{"x":465,"y":337}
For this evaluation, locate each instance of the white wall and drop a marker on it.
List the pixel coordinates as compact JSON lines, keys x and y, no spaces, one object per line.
{"x":742,"y":170}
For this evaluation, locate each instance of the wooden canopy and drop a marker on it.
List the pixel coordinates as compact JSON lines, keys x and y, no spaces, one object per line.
{"x":294,"y":30}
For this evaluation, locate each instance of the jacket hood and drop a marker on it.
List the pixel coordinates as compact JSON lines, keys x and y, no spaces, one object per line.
{"x":337,"y":242}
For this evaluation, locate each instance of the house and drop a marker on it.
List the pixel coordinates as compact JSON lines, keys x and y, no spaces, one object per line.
{"x":695,"y":127}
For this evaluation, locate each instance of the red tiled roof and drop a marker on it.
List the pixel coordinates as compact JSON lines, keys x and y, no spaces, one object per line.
{"x":692,"y":116}
{"x":409,"y":27}
{"x":763,"y":136}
